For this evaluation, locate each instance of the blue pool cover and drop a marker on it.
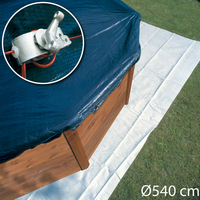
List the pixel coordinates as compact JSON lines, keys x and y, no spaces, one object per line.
{"x":25,"y":21}
{"x":32,"y":114}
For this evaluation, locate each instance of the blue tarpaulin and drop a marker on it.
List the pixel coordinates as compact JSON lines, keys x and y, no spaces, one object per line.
{"x":32,"y":114}
{"x":25,"y":21}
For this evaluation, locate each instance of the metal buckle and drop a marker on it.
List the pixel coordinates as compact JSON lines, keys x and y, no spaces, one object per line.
{"x":37,"y":43}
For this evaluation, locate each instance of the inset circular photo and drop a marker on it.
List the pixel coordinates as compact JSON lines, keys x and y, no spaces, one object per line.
{"x":43,"y":43}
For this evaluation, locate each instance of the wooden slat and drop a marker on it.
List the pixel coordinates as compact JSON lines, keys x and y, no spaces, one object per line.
{"x":95,"y":126}
{"x":96,"y":138}
{"x":76,"y":146}
{"x":129,"y":83}
{"x":36,"y":168}
{"x":30,"y":157}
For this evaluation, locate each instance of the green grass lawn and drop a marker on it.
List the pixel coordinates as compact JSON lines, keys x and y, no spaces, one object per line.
{"x":171,"y":155}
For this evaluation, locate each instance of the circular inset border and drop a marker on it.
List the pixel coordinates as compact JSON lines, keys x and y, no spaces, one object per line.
{"x":82,"y":51}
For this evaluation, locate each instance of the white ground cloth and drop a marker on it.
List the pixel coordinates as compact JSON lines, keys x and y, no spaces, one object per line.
{"x":166,"y":62}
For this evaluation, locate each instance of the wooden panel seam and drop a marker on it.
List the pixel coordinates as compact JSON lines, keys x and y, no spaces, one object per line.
{"x":129,"y":83}
{"x":76,"y":146}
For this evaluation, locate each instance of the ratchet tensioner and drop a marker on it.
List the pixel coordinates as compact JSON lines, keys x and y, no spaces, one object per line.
{"x":32,"y":45}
